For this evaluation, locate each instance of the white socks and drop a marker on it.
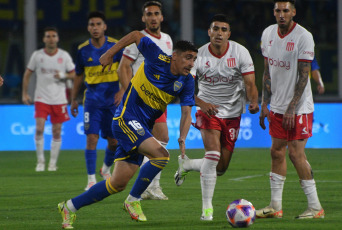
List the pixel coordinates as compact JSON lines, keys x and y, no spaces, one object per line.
{"x":277,"y":186}
{"x":208,"y":177}
{"x":71,"y":206}
{"x":193,"y":164}
{"x":55,"y":150}
{"x":39,"y":142}
{"x":309,"y":188}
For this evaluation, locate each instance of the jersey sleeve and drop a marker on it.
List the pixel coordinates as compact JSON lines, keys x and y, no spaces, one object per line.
{"x":79,"y":63}
{"x":187,"y":97}
{"x":32,"y":63}
{"x":306,"y":47}
{"x":314,"y":64}
{"x":263,"y":44}
{"x":131,"y":52}
{"x":70,"y":66}
{"x":246,"y":62}
{"x":151,"y":52}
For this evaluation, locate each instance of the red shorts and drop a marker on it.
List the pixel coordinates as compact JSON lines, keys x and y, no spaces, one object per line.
{"x":58,"y":113}
{"x":302,"y":129}
{"x":229,"y":127}
{"x":162,"y":118}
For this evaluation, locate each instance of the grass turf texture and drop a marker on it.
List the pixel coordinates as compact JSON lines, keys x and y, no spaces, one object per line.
{"x":28,"y":199}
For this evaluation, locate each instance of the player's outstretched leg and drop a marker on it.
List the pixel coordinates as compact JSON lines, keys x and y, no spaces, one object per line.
{"x":181,"y":172}
{"x":67,"y":215}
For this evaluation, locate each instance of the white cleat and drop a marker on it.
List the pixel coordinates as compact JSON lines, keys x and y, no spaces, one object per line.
{"x":105,"y":175}
{"x":89,"y":185}
{"x":180,"y":173}
{"x":311,"y":214}
{"x":154,"y":193}
{"x":40,"y":167}
{"x":52,"y":168}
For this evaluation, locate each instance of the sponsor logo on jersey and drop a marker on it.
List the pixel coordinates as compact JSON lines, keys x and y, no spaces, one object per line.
{"x":60,"y":60}
{"x":164,"y":58}
{"x":156,"y":76}
{"x":168,"y":44}
{"x":177,"y":86}
{"x":151,"y":95}
{"x":309,"y":52}
{"x":279,"y":63}
{"x":290,"y":46}
{"x":213,"y":80}
{"x":231,"y":62}
{"x":90,"y":59}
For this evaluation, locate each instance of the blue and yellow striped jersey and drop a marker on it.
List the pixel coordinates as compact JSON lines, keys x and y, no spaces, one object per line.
{"x":154,"y":86}
{"x":101,"y":86}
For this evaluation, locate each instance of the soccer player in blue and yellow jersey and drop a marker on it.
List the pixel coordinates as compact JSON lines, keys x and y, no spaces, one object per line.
{"x":158,"y":81}
{"x":100,"y":98}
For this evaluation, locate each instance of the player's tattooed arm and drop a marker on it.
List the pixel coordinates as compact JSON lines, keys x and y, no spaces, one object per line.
{"x":303,"y":72}
{"x":266,"y":89}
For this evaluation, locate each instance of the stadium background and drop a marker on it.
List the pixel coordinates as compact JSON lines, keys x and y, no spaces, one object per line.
{"x":248,"y":19}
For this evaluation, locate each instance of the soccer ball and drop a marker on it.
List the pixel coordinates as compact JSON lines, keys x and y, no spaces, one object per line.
{"x":240,"y":213}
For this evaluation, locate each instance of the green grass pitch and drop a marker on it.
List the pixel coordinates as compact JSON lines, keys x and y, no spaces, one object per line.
{"x":28,"y":200}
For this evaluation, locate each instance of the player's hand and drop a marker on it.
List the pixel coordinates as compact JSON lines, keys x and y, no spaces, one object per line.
{"x":26,"y":99}
{"x":60,"y":76}
{"x":118,"y":97}
{"x":288,"y":121}
{"x":106,"y":59}
{"x":253,"y":108}
{"x":320,"y":89}
{"x":209,"y":109}
{"x":181,"y":143}
{"x":74,"y":108}
{"x":264,"y":113}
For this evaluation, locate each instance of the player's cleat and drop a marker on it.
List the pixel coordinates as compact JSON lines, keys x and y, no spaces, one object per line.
{"x":105,"y":176}
{"x":89,"y":185}
{"x":40,"y":167}
{"x":207,"y":214}
{"x":52,"y":167}
{"x":268,"y":212}
{"x":154,"y":193}
{"x":68,"y":216}
{"x":311,"y":214}
{"x":134,"y":209}
{"x":180,"y":173}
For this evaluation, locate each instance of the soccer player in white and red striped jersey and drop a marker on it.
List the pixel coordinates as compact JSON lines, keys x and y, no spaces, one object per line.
{"x":129,"y":65}
{"x":53,"y":66}
{"x":288,"y":49}
{"x":225,"y":73}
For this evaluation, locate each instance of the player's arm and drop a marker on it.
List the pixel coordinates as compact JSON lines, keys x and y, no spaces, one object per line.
{"x":316,"y":75}
{"x":65,"y":76}
{"x":252,"y":92}
{"x":78,"y":81}
{"x":107,"y":58}
{"x":289,"y":116}
{"x":26,"y":79}
{"x":207,"y":108}
{"x":266,"y":95}
{"x":184,"y":127}
{"x":1,"y":81}
{"x":125,"y":72}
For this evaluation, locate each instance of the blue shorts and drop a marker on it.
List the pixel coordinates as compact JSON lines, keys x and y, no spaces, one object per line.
{"x":96,"y":119}
{"x":130,"y":133}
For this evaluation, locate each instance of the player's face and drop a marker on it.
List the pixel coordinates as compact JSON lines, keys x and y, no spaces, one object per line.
{"x":152,"y":18}
{"x":219,"y":33}
{"x":183,"y":62}
{"x":284,"y":13}
{"x":96,"y":27}
{"x":50,"y":39}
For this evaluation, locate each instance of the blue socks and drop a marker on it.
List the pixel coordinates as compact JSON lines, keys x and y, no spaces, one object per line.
{"x":109,"y":157}
{"x":90,"y":156}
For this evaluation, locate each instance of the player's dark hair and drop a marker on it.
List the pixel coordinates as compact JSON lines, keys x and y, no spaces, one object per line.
{"x":184,"y":46}
{"x":293,"y":2}
{"x":97,"y":14}
{"x":220,"y":18}
{"x":50,"y":28}
{"x":151,"y":3}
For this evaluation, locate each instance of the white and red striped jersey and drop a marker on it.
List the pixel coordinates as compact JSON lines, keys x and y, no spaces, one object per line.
{"x":220,"y":79}
{"x":50,"y":90}
{"x":283,"y":53}
{"x":164,"y":42}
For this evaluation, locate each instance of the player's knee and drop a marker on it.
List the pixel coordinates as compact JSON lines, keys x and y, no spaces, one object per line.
{"x":39,"y":132}
{"x":112,"y":144}
{"x":277,"y":155}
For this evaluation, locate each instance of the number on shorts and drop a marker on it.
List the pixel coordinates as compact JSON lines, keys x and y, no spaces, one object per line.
{"x":86,"y":117}
{"x":64,"y":109}
{"x":135,"y":124}
{"x":233,"y":133}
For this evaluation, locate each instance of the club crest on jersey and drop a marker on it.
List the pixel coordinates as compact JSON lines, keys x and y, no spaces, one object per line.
{"x":168,"y":44}
{"x":289,"y":46}
{"x":60,"y":60}
{"x":231,"y":62}
{"x":141,"y":131}
{"x":177,"y":86}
